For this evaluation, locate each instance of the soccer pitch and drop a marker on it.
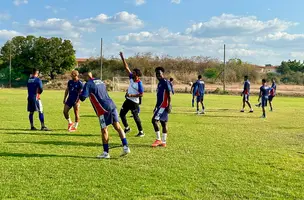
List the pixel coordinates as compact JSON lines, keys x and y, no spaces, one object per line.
{"x":224,"y":154}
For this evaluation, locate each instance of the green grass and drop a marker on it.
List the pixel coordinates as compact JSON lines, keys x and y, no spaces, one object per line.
{"x":224,"y":154}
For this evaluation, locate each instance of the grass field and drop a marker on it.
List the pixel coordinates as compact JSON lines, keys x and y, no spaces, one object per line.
{"x":224,"y":154}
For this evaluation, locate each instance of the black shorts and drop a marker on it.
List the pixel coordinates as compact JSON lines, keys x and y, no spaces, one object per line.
{"x":130,"y":105}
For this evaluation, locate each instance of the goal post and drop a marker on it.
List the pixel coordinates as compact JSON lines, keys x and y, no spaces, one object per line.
{"x":121,"y":84}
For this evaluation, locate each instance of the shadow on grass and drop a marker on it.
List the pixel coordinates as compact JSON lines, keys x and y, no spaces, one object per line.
{"x":52,"y":134}
{"x":223,"y":116}
{"x":35,"y":155}
{"x":59,"y":143}
{"x":290,"y":128}
{"x":25,"y":129}
{"x":88,"y":116}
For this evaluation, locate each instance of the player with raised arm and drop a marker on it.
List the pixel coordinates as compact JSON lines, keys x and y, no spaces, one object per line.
{"x":133,"y":95}
{"x":264,"y":93}
{"x":72,"y":91}
{"x":35,"y":89}
{"x":272,"y":94}
{"x":105,"y":110}
{"x":162,"y":108}
{"x":245,"y":94}
{"x":198,"y":90}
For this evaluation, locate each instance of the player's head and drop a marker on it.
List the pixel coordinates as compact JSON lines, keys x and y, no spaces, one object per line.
{"x":199,"y":77}
{"x":171,"y":79}
{"x":245,"y":78}
{"x":159,"y":72}
{"x":35,"y":72}
{"x":136,"y":73}
{"x":87,"y":75}
{"x":74,"y":74}
{"x":264,"y":81}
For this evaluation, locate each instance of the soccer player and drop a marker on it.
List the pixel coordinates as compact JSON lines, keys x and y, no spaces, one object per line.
{"x":35,"y":89}
{"x":264,"y":93}
{"x":272,"y":93}
{"x":245,"y":94}
{"x":135,"y":91}
{"x":105,"y":110}
{"x":162,"y":108}
{"x":198,"y":90}
{"x":72,"y":92}
{"x":171,"y":84}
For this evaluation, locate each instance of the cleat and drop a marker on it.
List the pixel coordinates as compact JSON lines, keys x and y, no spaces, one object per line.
{"x":127,"y":130}
{"x":242,"y":110}
{"x":163,"y":145}
{"x":258,"y":105}
{"x":125,"y":151}
{"x":70,"y":125}
{"x":251,"y":111}
{"x":198,"y":112}
{"x":104,"y":155}
{"x":157,"y":143}
{"x":73,"y":129}
{"x":263,"y":116}
{"x":34,"y":128}
{"x":44,"y":128}
{"x":140,"y":134}
{"x":203,"y":112}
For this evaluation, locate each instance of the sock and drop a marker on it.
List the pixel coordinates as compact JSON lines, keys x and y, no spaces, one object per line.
{"x":164,"y":140}
{"x":157,"y":135}
{"x":127,"y":128}
{"x":70,"y":121}
{"x":41,"y":118}
{"x":76,"y":124}
{"x":31,"y":118}
{"x":106,"y":148}
{"x":124,"y":142}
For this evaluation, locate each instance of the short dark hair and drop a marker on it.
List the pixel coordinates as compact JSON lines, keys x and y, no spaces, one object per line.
{"x":159,"y":69}
{"x":199,"y":76}
{"x":246,"y":77}
{"x":171,"y":79}
{"x":264,"y":80}
{"x":137,"y":71}
{"x":34,"y":70}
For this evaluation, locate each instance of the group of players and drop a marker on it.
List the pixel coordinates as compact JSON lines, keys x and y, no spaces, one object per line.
{"x":104,"y":107}
{"x":106,"y":110}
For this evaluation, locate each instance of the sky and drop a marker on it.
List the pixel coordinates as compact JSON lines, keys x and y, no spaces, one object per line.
{"x":259,"y":32}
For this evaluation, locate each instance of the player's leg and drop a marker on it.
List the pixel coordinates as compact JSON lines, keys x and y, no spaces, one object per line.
{"x":105,"y":143}
{"x":123,"y":112}
{"x":41,"y":115}
{"x":198,"y":100}
{"x":244,"y":103}
{"x":31,"y":108}
{"x":165,"y":132}
{"x":203,"y":106}
{"x":158,"y":141}
{"x":31,"y":118}
{"x":137,"y":120}
{"x":66,"y":110}
{"x":270,"y":102}
{"x":192,"y":101}
{"x":77,"y":118}
{"x":248,"y":103}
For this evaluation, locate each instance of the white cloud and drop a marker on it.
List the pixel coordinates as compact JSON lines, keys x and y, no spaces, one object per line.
{"x":297,"y":55}
{"x":176,"y":1}
{"x":54,"y":9}
{"x":19,"y":2}
{"x":282,"y":40}
{"x":8,"y":34}
{"x":140,"y":2}
{"x":123,"y":18}
{"x":4,"y":16}
{"x":233,"y":25}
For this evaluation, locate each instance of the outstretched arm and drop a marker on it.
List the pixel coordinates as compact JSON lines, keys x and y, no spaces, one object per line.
{"x":85,"y":92}
{"x":125,"y":63}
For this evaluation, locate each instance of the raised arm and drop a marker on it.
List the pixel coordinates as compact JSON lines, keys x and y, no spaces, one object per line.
{"x":125,"y":63}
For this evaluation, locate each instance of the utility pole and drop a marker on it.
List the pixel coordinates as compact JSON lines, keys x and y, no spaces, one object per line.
{"x":101,"y":59}
{"x":224,"y":78}
{"x":10,"y":64}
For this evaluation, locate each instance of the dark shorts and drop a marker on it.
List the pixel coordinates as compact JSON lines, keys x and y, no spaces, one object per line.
{"x":71,"y":102}
{"x":264,"y":102}
{"x":245,"y":97}
{"x":160,"y":114}
{"x":34,"y":105}
{"x":199,"y":98}
{"x":270,"y":98}
{"x":129,"y":105}
{"x":108,"y":118}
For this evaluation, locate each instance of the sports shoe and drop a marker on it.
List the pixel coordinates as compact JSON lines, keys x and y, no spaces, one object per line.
{"x":44,"y":128}
{"x":157,"y":143}
{"x":34,"y":128}
{"x":140,"y":134}
{"x":263,"y":116}
{"x":251,"y":111}
{"x":73,"y":129}
{"x":104,"y":155}
{"x":70,"y":125}
{"x":125,"y":151}
{"x":242,"y":110}
{"x":127,"y":130}
{"x":164,"y":145}
{"x":198,"y":112}
{"x":258,"y":105}
{"x":203,"y":112}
